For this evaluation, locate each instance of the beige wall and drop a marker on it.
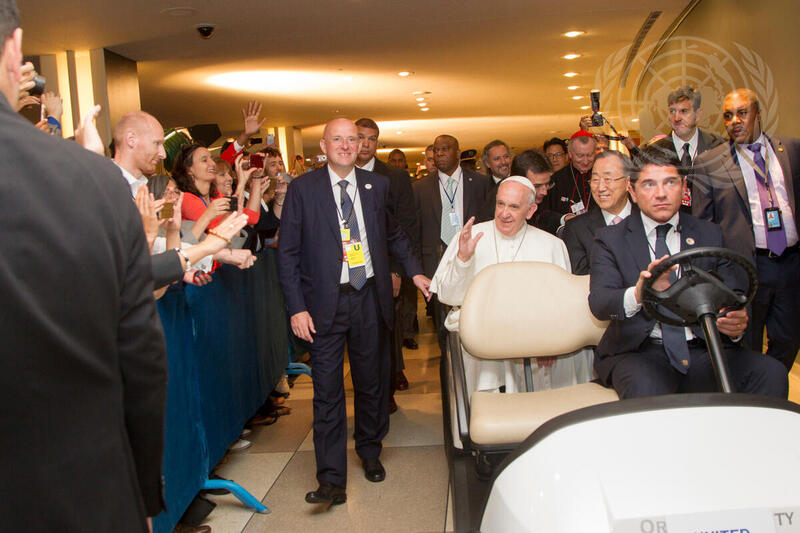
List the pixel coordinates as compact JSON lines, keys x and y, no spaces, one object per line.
{"x":722,"y":45}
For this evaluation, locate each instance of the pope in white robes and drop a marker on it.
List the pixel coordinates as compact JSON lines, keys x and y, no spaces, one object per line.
{"x":506,"y":238}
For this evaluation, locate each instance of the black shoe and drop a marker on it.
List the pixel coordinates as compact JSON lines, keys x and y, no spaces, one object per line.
{"x":401,"y":382}
{"x":411,"y":344}
{"x":327,"y":492}
{"x":373,"y":470}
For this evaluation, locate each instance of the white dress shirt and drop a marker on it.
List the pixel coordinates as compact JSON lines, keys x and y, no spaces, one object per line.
{"x":458,"y":199}
{"x":355,"y":197}
{"x":692,"y":144}
{"x":369,"y":165}
{"x":609,"y":217}
{"x":133,"y":182}
{"x":778,"y":182}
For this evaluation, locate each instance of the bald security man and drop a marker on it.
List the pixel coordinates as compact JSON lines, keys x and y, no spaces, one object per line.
{"x":333,"y":259}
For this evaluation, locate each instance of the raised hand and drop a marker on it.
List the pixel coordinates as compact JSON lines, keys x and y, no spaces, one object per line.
{"x":53,"y":105}
{"x":466,"y":243}
{"x":87,"y":135}
{"x":250,"y":115}
{"x":242,"y":174}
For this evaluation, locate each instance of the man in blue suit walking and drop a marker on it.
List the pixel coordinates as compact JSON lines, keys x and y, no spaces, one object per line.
{"x":334,"y":270}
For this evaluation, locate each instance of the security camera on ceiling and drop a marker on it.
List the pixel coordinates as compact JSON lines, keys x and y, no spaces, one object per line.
{"x":206,"y":31}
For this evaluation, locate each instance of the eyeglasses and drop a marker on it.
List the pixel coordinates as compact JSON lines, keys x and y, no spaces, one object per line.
{"x":595,"y":182}
{"x":556,"y":155}
{"x":544,"y":186}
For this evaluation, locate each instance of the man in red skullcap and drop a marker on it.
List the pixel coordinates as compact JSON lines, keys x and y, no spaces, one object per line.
{"x":571,"y":195}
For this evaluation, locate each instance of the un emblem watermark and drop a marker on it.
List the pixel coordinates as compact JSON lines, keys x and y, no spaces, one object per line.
{"x":710,"y":68}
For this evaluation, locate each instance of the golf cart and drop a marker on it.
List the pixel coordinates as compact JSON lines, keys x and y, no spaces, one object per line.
{"x":578,"y":459}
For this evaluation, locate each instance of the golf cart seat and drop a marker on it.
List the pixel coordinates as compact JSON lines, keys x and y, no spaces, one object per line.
{"x":522,"y":310}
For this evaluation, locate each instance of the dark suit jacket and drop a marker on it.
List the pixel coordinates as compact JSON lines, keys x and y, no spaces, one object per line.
{"x":400,"y":206}
{"x":579,"y":237}
{"x":559,"y":198}
{"x":429,"y":211}
{"x":310,"y":245}
{"x":620,"y":253}
{"x":721,"y":195}
{"x":83,"y":370}
{"x":705,"y":141}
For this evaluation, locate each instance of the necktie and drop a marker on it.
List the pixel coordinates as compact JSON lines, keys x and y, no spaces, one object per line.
{"x":674,"y":337}
{"x":616,"y":220}
{"x":358,"y":274}
{"x":776,"y":239}
{"x":448,"y":231}
{"x":686,"y":158}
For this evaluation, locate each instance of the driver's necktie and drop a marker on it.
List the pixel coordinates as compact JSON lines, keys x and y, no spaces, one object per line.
{"x":674,"y":337}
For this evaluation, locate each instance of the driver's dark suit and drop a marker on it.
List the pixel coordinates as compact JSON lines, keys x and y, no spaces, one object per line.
{"x":628,"y":357}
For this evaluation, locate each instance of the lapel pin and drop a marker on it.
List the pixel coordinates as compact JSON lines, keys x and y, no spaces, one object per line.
{"x":368,"y":186}
{"x":780,"y":148}
{"x":689,"y":241}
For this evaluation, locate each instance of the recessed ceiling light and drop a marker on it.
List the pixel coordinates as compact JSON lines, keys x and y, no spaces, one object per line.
{"x":577,"y":97}
{"x":399,"y":132}
{"x":585,"y":107}
{"x":417,"y":93}
{"x":574,"y":33}
{"x":573,"y":87}
{"x":571,"y":56}
{"x":634,"y":120}
{"x":184,"y":11}
{"x":570,"y":74}
{"x":420,"y":99}
{"x":422,"y":104}
{"x":403,"y":74}
{"x":424,"y":108}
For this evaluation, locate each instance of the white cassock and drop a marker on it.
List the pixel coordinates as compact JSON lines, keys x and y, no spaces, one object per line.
{"x":452,"y":279}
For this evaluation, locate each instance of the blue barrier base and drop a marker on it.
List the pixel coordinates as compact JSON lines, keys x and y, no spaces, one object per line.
{"x":295,"y":369}
{"x":237,"y":490}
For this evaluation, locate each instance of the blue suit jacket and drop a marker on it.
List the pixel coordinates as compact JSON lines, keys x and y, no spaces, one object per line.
{"x":310,"y":245}
{"x":619,"y":254}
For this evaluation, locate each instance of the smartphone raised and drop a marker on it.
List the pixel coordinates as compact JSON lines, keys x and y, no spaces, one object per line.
{"x":167,"y":211}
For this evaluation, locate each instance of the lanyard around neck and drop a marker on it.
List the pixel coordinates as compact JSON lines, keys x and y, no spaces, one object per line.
{"x":455,"y":191}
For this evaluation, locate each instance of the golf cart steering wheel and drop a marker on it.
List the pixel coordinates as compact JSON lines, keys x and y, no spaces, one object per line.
{"x":697,"y":292}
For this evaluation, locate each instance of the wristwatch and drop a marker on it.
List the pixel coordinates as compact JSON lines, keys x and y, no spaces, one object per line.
{"x":185,"y":258}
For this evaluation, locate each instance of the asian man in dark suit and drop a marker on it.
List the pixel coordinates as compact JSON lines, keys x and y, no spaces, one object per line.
{"x":445,"y":200}
{"x":731,"y":190}
{"x":609,"y":187}
{"x":400,"y":205}
{"x":333,"y":258}
{"x":83,"y":369}
{"x":638,"y":356}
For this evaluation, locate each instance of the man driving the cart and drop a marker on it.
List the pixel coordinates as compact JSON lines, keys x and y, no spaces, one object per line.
{"x":638,"y":355}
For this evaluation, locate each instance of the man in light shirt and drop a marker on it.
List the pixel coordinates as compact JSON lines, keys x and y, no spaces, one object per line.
{"x":609,"y":186}
{"x":139,"y":147}
{"x":749,"y":186}
{"x":637,"y":355}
